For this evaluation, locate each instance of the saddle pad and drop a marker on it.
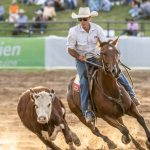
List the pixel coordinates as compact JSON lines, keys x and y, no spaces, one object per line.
{"x":76,"y":84}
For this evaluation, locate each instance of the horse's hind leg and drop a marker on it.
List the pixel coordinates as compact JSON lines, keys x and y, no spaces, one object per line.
{"x":135,"y":113}
{"x":95,"y":130}
{"x":120,"y":126}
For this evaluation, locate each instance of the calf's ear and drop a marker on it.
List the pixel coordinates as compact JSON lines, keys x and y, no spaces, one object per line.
{"x":52,"y":91}
{"x":31,"y":91}
{"x":31,"y":94}
{"x":52,"y":94}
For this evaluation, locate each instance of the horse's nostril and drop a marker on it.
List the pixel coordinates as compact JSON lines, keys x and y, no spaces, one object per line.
{"x":113,"y":71}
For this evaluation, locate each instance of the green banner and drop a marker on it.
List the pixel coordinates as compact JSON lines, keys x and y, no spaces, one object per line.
{"x":22,"y":52}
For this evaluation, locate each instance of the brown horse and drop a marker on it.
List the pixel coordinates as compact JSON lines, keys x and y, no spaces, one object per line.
{"x":110,"y":98}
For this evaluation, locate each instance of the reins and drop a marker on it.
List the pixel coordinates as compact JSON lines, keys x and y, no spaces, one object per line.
{"x":127,"y":68}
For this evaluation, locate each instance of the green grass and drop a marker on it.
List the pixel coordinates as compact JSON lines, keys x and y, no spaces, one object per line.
{"x":118,"y":13}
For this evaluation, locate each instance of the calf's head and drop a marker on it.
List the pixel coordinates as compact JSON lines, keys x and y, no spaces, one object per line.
{"x":43,"y":104}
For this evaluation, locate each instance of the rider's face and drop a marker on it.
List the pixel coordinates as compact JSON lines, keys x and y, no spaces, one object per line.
{"x":85,"y":22}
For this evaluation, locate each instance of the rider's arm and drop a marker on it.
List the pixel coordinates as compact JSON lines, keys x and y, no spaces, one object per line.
{"x":75,"y":54}
{"x":71,"y":45}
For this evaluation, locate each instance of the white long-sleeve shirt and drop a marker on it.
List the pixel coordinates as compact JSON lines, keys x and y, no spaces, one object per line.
{"x":85,"y":42}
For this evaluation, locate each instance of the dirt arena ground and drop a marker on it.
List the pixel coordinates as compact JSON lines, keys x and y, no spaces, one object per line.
{"x":14,"y":136}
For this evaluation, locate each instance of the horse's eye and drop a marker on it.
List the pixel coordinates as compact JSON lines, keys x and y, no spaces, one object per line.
{"x":49,"y":105}
{"x":107,"y":64}
{"x":36,"y":106}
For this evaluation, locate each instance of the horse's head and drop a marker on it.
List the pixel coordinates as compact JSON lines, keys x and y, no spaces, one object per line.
{"x":109,"y":57}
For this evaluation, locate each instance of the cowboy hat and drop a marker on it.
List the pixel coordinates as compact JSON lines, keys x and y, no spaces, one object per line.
{"x":39,"y":12}
{"x":14,"y":1}
{"x":21,"y":11}
{"x":84,"y":12}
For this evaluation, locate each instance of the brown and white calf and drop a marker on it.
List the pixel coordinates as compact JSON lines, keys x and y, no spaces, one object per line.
{"x":42,"y":112}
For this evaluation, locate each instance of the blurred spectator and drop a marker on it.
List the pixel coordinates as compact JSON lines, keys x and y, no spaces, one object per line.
{"x":135,"y":10}
{"x":22,"y":1}
{"x":50,"y":1}
{"x":31,"y":2}
{"x":13,"y":11}
{"x":85,"y":2}
{"x":2,"y":11}
{"x":71,"y":4}
{"x":21,"y":23}
{"x":132,"y":28}
{"x":145,"y":10}
{"x":39,"y":23}
{"x":94,"y":5}
{"x":117,"y":2}
{"x":41,"y":2}
{"x":27,"y":1}
{"x":59,"y":5}
{"x":49,"y":12}
{"x":128,"y":2}
{"x":100,"y":5}
{"x":106,"y":5}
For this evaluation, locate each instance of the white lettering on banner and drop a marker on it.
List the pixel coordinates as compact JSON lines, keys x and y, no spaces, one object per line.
{"x":8,"y":63}
{"x":8,"y":50}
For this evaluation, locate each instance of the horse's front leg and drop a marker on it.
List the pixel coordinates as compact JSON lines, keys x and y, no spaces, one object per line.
{"x":137,"y":145}
{"x":135,"y":113}
{"x":120,"y":126}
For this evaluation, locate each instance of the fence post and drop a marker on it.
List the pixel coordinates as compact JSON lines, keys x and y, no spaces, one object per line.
{"x":108,"y":24}
{"x":72,"y":23}
{"x":143,"y":28}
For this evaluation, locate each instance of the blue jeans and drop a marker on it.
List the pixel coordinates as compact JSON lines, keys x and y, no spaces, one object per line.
{"x":41,"y":26}
{"x":84,"y":85}
{"x":123,"y":81}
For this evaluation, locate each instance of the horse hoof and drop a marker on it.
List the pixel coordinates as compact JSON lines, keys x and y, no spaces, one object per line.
{"x":112,"y":145}
{"x":72,"y":148}
{"x":75,"y":139}
{"x":125,"y":139}
{"x":77,"y":142}
{"x":148,"y":144}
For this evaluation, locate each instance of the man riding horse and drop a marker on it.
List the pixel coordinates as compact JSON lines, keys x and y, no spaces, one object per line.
{"x":82,"y":42}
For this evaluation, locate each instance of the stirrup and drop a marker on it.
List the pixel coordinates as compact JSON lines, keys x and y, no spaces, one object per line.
{"x":91,"y":117}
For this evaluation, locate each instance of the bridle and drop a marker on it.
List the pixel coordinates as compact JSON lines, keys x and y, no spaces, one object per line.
{"x":105,"y":65}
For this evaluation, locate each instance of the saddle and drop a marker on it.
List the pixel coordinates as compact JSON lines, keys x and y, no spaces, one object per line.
{"x":91,"y":75}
